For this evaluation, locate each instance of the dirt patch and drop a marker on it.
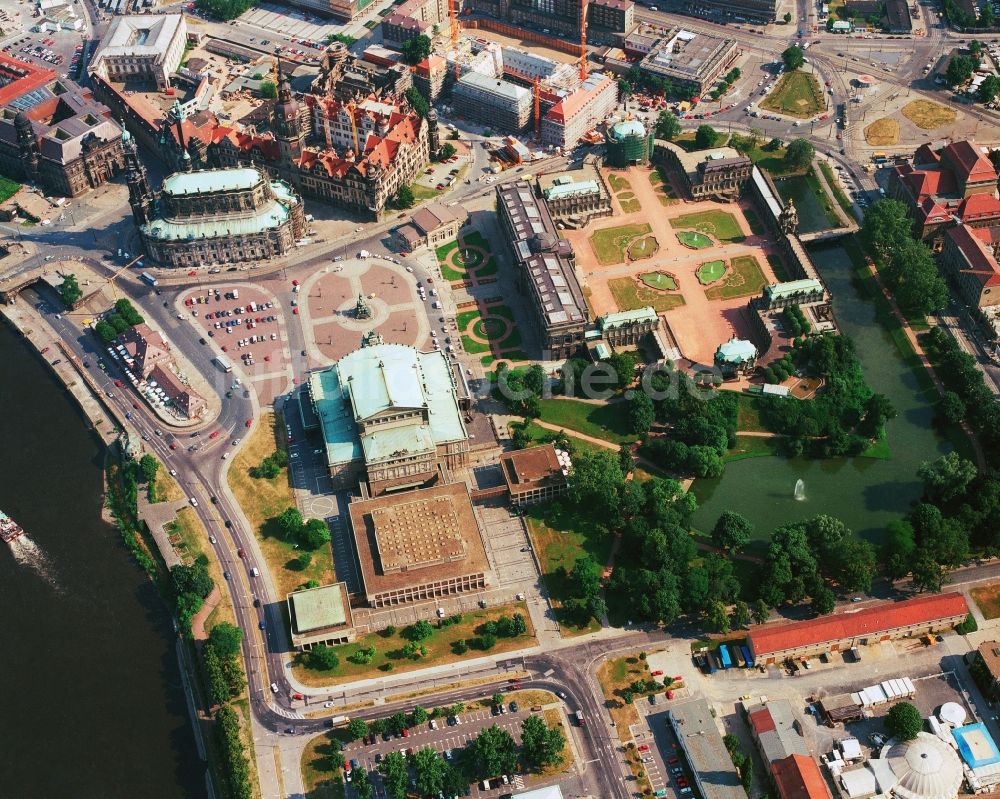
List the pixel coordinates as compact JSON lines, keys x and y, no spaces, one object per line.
{"x":987,"y":597}
{"x":882,"y":132}
{"x":927,"y":115}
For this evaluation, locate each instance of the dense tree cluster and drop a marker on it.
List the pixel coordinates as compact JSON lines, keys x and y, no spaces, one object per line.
{"x":906,"y":265}
{"x":70,"y":291}
{"x":271,"y":465}
{"x":793,"y":58}
{"x":234,"y":754}
{"x":224,"y":9}
{"x":541,"y":745}
{"x":191,"y":585}
{"x":221,"y":660}
{"x":118,"y":321}
{"x":416,"y":49}
{"x":904,"y":721}
{"x":417,"y":101}
{"x":706,"y":137}
{"x":795,"y":321}
{"x":668,"y":127}
{"x":636,"y":78}
{"x":799,"y":154}
{"x":309,"y":535}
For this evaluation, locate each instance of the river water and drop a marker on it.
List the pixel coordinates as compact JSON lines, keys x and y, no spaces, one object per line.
{"x":92,"y":704}
{"x":865,"y":493}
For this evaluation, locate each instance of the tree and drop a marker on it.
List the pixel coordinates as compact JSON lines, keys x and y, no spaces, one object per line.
{"x":429,"y":768}
{"x":447,"y":151}
{"x":416,"y":49}
{"x":988,"y":89}
{"x":640,"y":412}
{"x":741,"y":614}
{"x":105,"y":332}
{"x":419,"y":631}
{"x":927,"y":574}
{"x":362,"y":783}
{"x":193,"y":579}
{"x":799,"y":155}
{"x":336,"y":761}
{"x":540,"y":746}
{"x":418,"y":715}
{"x":718,"y":617}
{"x":492,"y":752}
{"x":313,"y":534}
{"x":268,"y":90}
{"x":668,"y":127}
{"x":289,"y":523}
{"x":960,"y":69}
{"x":624,"y":89}
{"x":398,"y":722}
{"x":904,"y":721}
{"x":787,"y":17}
{"x":761,"y":611}
{"x":149,"y":466}
{"x":405,"y":197}
{"x":705,"y":137}
{"x":732,"y":531}
{"x":793,"y":58}
{"x":947,"y":477}
{"x":417,"y":101}
{"x":394,"y":774}
{"x":303,"y":561}
{"x":322,"y":658}
{"x":626,"y":461}
{"x":225,"y":639}
{"x":823,"y":600}
{"x":356,"y":727}
{"x":70,"y":291}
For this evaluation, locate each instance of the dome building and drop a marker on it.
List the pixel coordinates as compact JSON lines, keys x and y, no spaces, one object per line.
{"x":924,"y":768}
{"x":628,"y":142}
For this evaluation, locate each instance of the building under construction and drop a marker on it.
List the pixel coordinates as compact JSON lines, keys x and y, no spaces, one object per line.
{"x":690,"y":60}
{"x":498,"y":103}
{"x":607,"y":20}
{"x":579,"y":111}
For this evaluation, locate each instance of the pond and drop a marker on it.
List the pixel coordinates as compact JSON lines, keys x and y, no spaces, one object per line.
{"x":801,"y":189}
{"x":864,"y":492}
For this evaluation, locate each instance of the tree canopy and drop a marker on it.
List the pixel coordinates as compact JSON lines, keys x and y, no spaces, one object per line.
{"x":540,"y":746}
{"x":793,"y":58}
{"x":799,"y":154}
{"x":904,"y":721}
{"x":416,"y":49}
{"x":70,"y":291}
{"x":668,"y":127}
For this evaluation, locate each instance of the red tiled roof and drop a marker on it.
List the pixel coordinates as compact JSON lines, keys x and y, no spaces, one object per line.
{"x":569,"y":105}
{"x":979,"y":207}
{"x":966,"y":159}
{"x":930,"y":211}
{"x":925,"y":155}
{"x":798,"y":777}
{"x":977,"y":254}
{"x":851,"y":624}
{"x":20,"y":77}
{"x":762,"y":722}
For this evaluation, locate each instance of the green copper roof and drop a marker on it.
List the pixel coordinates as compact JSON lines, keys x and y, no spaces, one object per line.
{"x":382,"y":377}
{"x":792,"y":287}
{"x":207,"y":180}
{"x":619,"y":318}
{"x":631,"y":127}
{"x":736,"y":351}
{"x":570,"y":189}
{"x":316,"y":608}
{"x":270,"y":217}
{"x":335,"y":417}
{"x":411,"y":439}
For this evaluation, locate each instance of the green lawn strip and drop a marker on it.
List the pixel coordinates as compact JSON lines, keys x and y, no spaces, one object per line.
{"x":421,"y":193}
{"x":748,"y":417}
{"x":631,"y":296}
{"x":559,"y":536}
{"x":823,"y":199}
{"x":772,"y":161}
{"x":744,"y":279}
{"x":720,"y":224}
{"x":445,"y":250}
{"x":838,"y":193}
{"x":487,"y":360}
{"x":474,"y":346}
{"x":694,"y":240}
{"x":318,"y":778}
{"x":797,"y":94}
{"x":710,"y":271}
{"x":463,"y":318}
{"x":388,"y":649}
{"x":880,"y":450}
{"x":608,"y":421}
{"x":618,"y":183}
{"x":8,"y":188}
{"x":609,"y":244}
{"x":751,"y":447}
{"x":542,"y":435}
{"x":777,"y":264}
{"x":451,"y":275}
{"x":517,"y":355}
{"x":476,"y":239}
{"x":756,"y":226}
{"x":631,"y":207}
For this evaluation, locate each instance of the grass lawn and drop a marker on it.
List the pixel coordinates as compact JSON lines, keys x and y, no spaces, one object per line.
{"x":542,"y":435}
{"x":777,"y":265}
{"x":710,"y":272}
{"x":630,"y":206}
{"x":8,"y":188}
{"x":927,"y":115}
{"x":744,"y":279}
{"x":421,"y":193}
{"x":262,"y":499}
{"x":797,"y":94}
{"x":477,"y":265}
{"x":318,"y":778}
{"x":618,"y":183}
{"x":489,"y":327}
{"x":719,"y":224}
{"x":630,"y":295}
{"x":664,"y":191}
{"x":167,"y":488}
{"x":659,"y":280}
{"x":838,"y":192}
{"x":609,"y":244}
{"x":747,"y":416}
{"x":987,"y":597}
{"x":556,"y":720}
{"x":814,"y":206}
{"x":615,"y":676}
{"x":389,"y":649}
{"x":560,"y":535}
{"x":882,"y":132}
{"x":607,"y":421}
{"x":751,"y":447}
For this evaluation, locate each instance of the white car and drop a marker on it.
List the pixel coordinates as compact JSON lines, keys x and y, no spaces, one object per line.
{"x":212,"y":540}
{"x":409,"y":269}
{"x":193,"y":501}
{"x":328,"y":704}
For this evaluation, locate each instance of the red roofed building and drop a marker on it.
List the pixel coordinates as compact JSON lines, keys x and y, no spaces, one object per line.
{"x":798,"y":777}
{"x":970,"y":256}
{"x":18,"y":78}
{"x":579,"y":111}
{"x":773,"y":643}
{"x":942,"y":187}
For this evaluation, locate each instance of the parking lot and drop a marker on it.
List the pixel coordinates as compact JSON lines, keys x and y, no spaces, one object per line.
{"x":246,"y":324}
{"x":446,"y":739}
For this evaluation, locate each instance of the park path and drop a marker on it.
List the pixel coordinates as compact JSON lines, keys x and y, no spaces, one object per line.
{"x":921,"y":355}
{"x":199,"y":618}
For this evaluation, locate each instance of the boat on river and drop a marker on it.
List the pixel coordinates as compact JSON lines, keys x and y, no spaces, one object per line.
{"x":9,"y":529}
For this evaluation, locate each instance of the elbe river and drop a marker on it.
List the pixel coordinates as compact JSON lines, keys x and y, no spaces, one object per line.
{"x":91,"y":703}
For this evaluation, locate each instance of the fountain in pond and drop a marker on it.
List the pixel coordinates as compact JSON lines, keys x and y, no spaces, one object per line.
{"x":800,"y":490}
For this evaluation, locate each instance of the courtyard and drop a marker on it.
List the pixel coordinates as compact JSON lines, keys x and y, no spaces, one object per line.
{"x":696,"y":262}
{"x":489,"y":330}
{"x":468,"y":258}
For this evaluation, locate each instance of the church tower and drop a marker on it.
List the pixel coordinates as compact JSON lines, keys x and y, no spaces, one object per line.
{"x":27,"y":145}
{"x":285,"y":122}
{"x":433,"y":134}
{"x":140,"y":196}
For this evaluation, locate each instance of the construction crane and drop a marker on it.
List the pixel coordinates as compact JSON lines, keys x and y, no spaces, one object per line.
{"x":454,"y":33}
{"x":111,"y":280}
{"x":583,"y":40}
{"x":538,"y":111}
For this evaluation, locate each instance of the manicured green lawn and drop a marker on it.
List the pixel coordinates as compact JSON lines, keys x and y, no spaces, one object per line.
{"x":659,"y":280}
{"x":751,"y":447}
{"x":710,"y":272}
{"x":8,"y":188}
{"x":477,"y":265}
{"x":645,"y":247}
{"x":838,"y":193}
{"x":797,"y":94}
{"x":694,"y":240}
{"x":618,"y":183}
{"x":719,"y":224}
{"x":745,"y":279}
{"x":608,"y":421}
{"x":609,"y":245}
{"x":630,"y":296}
{"x":421,"y":193}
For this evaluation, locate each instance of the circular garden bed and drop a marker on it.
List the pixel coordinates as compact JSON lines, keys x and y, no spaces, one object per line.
{"x":694,"y":239}
{"x":659,"y":280}
{"x":644,"y":247}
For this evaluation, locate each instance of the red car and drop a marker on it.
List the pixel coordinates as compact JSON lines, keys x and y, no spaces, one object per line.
{"x":657,"y":673}
{"x":406,"y":733}
{"x":297,"y":696}
{"x":241,"y":553}
{"x":249,"y":422}
{"x":44,"y":350}
{"x":135,"y":405}
{"x":682,"y":782}
{"x":118,"y":383}
{"x":430,"y":280}
{"x":673,"y":761}
{"x":643,"y":748}
{"x":295,"y":311}
{"x":214,"y":434}
{"x":192,"y":273}
{"x":295,"y":282}
{"x":173,"y":445}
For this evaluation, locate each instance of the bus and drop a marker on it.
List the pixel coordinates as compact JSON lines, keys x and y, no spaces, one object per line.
{"x":223,"y":363}
{"x":148,"y":278}
{"x":879,"y":158}
{"x":727,"y":662}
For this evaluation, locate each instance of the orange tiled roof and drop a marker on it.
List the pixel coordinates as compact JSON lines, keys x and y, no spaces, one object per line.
{"x":798,"y":777}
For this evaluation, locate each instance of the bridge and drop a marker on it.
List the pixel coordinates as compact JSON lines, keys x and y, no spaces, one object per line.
{"x":828,"y":235}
